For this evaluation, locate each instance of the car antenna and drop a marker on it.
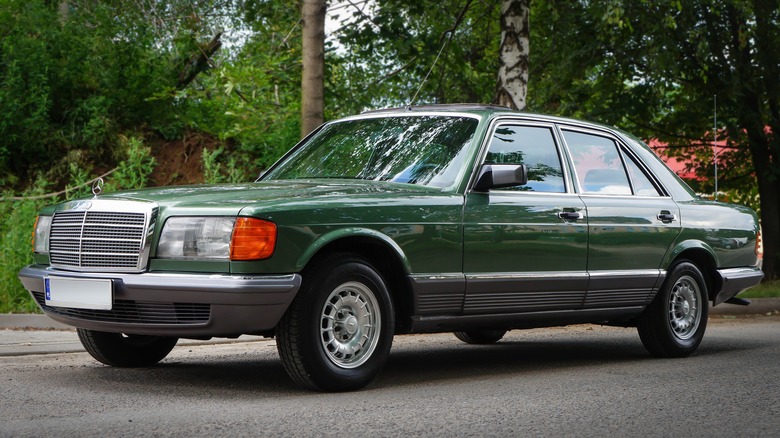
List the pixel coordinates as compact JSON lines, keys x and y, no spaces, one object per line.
{"x":715,"y":144}
{"x":443,"y":46}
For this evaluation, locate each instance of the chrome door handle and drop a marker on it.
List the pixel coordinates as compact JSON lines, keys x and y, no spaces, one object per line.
{"x":666,"y":217}
{"x":570,"y":215}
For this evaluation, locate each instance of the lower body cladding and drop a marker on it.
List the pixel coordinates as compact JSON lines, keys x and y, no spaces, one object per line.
{"x":171,"y":304}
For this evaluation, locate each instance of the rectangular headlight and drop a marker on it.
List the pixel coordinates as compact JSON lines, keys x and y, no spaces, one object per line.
{"x":196,"y":238}
{"x":41,"y":234}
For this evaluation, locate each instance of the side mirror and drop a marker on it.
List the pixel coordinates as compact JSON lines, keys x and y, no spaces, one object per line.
{"x":493,"y":176}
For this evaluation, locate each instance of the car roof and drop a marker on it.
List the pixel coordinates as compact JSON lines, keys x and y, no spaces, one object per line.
{"x":490,"y":111}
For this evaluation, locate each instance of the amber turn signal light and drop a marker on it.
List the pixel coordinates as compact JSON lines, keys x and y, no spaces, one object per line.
{"x":253,"y":239}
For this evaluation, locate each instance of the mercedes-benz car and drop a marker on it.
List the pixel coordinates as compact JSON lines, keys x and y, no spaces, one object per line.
{"x":467,"y":219}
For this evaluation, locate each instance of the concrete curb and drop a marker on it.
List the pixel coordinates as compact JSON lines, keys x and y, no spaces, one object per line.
{"x":21,"y":321}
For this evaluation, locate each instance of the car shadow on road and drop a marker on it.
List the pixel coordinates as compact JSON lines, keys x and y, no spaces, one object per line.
{"x":245,"y":372}
{"x":522,"y":358}
{"x":453,"y":362}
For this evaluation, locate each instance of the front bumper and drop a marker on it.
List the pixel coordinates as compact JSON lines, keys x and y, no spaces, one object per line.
{"x":176,"y":304}
{"x":736,"y":280}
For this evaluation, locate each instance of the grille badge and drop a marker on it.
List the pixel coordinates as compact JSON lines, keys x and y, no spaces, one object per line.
{"x":97,"y":186}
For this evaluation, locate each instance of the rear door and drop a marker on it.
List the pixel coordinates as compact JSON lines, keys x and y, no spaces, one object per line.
{"x":631,"y":220}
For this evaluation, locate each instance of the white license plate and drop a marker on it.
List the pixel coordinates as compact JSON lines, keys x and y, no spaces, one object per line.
{"x":79,"y":293}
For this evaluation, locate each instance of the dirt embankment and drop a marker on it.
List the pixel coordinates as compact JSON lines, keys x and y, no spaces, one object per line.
{"x":180,"y":161}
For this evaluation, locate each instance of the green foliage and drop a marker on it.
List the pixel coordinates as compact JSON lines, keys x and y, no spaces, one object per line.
{"x":386,"y":58}
{"x":134,"y":171}
{"x":78,"y":176}
{"x":744,"y":196}
{"x":767,"y":289}
{"x":216,"y":171}
{"x":16,"y":249}
{"x":75,"y":79}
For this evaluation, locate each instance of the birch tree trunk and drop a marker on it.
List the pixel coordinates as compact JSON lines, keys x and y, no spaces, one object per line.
{"x":312,"y":82}
{"x":512,"y":84}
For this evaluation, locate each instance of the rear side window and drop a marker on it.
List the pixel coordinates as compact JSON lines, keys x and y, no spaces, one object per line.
{"x":533,"y":146}
{"x":643,"y":186}
{"x":598,"y":164}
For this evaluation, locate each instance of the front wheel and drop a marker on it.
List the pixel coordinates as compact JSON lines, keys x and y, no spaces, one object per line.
{"x":121,"y":350}
{"x":337,"y":333}
{"x":673,"y":324}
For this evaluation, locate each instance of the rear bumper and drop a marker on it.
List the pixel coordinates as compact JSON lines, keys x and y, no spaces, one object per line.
{"x":176,"y":304}
{"x":736,"y":280}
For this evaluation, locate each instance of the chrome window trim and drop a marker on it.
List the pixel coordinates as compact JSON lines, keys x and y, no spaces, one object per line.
{"x":618,"y":196}
{"x":384,"y":115}
{"x":595,"y":133}
{"x":622,"y":147}
{"x":522,"y":121}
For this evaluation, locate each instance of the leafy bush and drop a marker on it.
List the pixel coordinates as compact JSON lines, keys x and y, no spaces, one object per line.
{"x":134,"y":171}
{"x":219,"y":171}
{"x":16,"y":250}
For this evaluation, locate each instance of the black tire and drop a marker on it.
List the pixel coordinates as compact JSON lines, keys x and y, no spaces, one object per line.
{"x":481,"y":337}
{"x":673,"y":324}
{"x":337,"y":333}
{"x":120,"y":350}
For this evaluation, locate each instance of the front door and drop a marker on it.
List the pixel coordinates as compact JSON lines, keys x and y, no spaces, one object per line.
{"x":525,"y":247}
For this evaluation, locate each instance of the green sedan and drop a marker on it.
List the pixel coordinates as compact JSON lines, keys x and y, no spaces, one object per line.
{"x":470,"y":219}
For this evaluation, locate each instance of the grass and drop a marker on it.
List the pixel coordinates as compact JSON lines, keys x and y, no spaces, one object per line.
{"x":16,"y":252}
{"x":767,"y":289}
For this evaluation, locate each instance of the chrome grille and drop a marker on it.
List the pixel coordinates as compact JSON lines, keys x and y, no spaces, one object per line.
{"x":94,"y":239}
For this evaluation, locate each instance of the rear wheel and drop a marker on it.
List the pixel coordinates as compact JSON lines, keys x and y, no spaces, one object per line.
{"x":120,"y":350}
{"x":673,"y":324}
{"x":481,"y":336}
{"x":337,"y":333}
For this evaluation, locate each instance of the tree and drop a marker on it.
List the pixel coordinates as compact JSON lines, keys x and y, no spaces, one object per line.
{"x":75,"y":75}
{"x":512,"y":85}
{"x":655,"y":68}
{"x":312,"y":82}
{"x":447,"y":49}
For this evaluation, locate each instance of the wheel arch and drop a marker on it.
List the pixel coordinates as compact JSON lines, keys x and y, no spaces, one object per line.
{"x":704,"y":258}
{"x":382,"y":253}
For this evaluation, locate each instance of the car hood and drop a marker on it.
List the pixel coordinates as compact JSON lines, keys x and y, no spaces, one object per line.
{"x":232,"y":198}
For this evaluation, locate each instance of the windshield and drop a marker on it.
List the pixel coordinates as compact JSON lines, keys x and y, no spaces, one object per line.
{"x":424,"y":150}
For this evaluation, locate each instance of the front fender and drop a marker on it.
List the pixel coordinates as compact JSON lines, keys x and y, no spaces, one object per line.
{"x":348,"y":233}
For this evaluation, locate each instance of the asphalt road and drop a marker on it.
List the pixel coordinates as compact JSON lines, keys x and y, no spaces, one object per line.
{"x":575,"y":381}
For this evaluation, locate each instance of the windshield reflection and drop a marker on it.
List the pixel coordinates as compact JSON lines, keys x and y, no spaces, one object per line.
{"x":422,"y":150}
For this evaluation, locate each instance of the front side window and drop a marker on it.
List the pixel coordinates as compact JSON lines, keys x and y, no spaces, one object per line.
{"x":533,"y":146}
{"x":598,"y":164}
{"x":422,"y":150}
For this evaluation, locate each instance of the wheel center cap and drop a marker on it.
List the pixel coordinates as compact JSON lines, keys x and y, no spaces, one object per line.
{"x":686,"y":307}
{"x":351,"y":324}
